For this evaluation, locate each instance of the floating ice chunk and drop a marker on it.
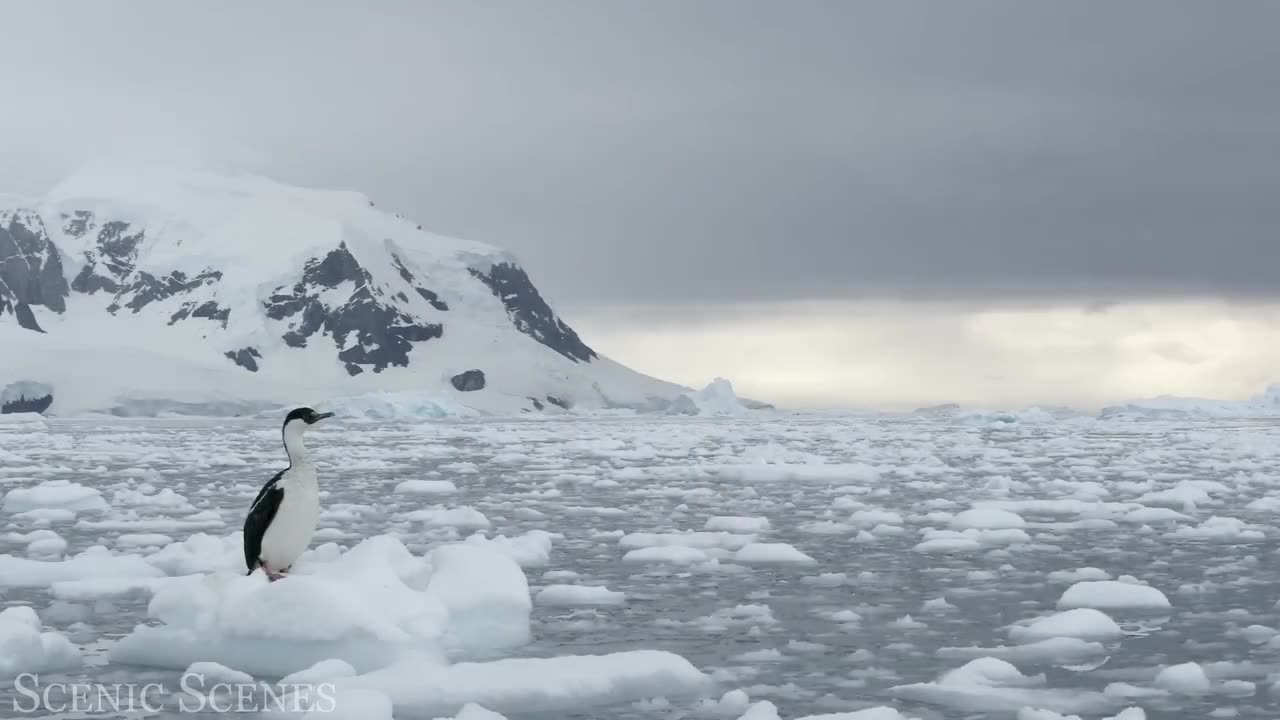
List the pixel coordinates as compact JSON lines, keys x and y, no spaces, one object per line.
{"x":845,"y":616}
{"x":322,"y":671}
{"x":472,"y":711}
{"x":1082,"y":623}
{"x":1221,"y":528}
{"x":532,"y":685}
{"x":200,"y":553}
{"x":46,"y":515}
{"x":735,"y":524}
{"x":530,"y":550}
{"x":667,"y":555}
{"x":945,"y":545}
{"x":365,"y":607}
{"x":579,"y":595}
{"x":873,"y":517}
{"x":426,"y":487}
{"x":1185,"y":495}
{"x":730,"y":705}
{"x":1269,"y":503}
{"x":1239,"y":688}
{"x":717,"y":398}
{"x":987,"y":518}
{"x":765,"y":655}
{"x":990,"y":684}
{"x":827,"y":580}
{"x":875,"y":713}
{"x":700,"y":540}
{"x":24,"y":649}
{"x":763,"y":710}
{"x":46,"y":545}
{"x":1258,"y":634}
{"x":486,"y":594}
{"x":1185,"y":679}
{"x":130,"y":521}
{"x":938,"y":604}
{"x":95,"y":562}
{"x":460,"y":517}
{"x":970,"y":540}
{"x":1074,"y":576}
{"x":826,"y":527}
{"x":772,"y":554}
{"x":1054,"y":650}
{"x":208,"y":674}
{"x":906,"y":622}
{"x":1111,"y":595}
{"x":1038,"y":714}
{"x":165,"y":498}
{"x":797,"y":472}
{"x":353,"y":704}
{"x":1148,"y":515}
{"x":140,"y":540}
{"x":56,"y":494}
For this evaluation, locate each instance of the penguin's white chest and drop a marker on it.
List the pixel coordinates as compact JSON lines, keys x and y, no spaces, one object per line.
{"x":295,"y":522}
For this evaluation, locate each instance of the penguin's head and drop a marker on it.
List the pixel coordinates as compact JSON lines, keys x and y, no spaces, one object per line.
{"x":304,"y":417}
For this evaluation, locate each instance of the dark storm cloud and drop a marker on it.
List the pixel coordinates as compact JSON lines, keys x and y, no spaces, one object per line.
{"x":651,"y":152}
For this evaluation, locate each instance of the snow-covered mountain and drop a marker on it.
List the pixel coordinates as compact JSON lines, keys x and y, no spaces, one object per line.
{"x":160,"y":290}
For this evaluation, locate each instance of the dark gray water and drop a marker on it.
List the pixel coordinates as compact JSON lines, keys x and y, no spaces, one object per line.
{"x":810,"y":646}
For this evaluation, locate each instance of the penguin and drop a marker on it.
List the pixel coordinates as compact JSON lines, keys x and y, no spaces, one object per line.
{"x":283,"y":516}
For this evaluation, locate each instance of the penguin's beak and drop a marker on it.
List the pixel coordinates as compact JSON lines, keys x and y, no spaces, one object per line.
{"x":323,"y":416}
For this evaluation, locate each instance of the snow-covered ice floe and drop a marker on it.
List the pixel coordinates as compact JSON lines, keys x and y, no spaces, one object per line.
{"x":25,"y":649}
{"x":991,"y":684}
{"x":366,"y":607}
{"x":400,"y":623}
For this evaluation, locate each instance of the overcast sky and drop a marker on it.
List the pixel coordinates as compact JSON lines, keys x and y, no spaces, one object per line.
{"x":825,"y":199}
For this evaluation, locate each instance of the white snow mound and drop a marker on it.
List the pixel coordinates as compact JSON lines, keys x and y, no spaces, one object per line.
{"x":1111,"y":595}
{"x":25,"y":649}
{"x":365,"y":607}
{"x":58,"y":494}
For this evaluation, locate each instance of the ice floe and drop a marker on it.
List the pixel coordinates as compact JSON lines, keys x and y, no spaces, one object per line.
{"x":1112,"y":594}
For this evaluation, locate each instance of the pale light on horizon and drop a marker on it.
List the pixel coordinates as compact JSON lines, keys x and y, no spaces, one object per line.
{"x":901,"y":355}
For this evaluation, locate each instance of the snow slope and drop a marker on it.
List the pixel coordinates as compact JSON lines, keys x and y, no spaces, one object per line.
{"x":214,"y":294}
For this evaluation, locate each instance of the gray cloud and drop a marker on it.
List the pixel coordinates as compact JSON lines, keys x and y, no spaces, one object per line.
{"x":716,"y":151}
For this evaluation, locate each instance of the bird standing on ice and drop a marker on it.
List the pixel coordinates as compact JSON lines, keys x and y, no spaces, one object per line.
{"x":284,"y":515}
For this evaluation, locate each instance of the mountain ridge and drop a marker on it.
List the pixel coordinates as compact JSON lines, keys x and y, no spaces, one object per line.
{"x":275,"y":293}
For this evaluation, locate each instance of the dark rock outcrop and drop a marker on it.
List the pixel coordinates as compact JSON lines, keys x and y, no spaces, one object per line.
{"x":530,"y":313}
{"x":383,"y":334}
{"x":110,"y":261}
{"x":208,"y":309}
{"x":26,"y":318}
{"x":30,"y":269}
{"x":468,"y":381}
{"x":246,"y":358}
{"x":25,"y":397}
{"x":78,"y":223}
{"x":426,"y":294}
{"x":146,"y":288}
